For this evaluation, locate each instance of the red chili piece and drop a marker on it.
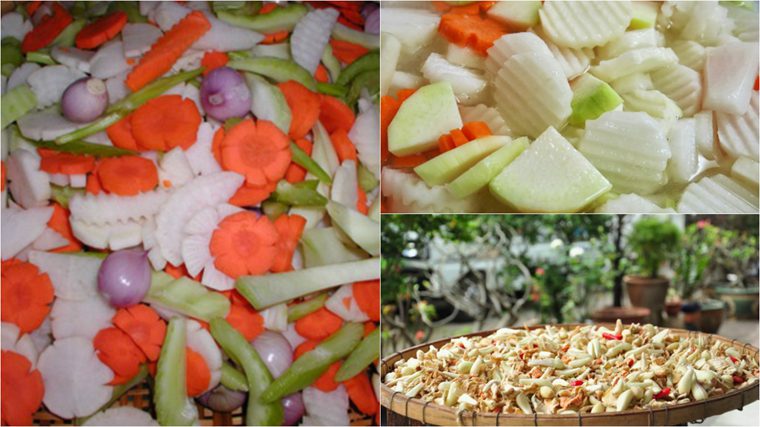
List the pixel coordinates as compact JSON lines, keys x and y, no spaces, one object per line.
{"x":663,"y":393}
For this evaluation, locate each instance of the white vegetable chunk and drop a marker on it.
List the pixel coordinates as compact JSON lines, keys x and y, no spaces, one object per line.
{"x":634,"y":61}
{"x":200,"y":155}
{"x":466,"y":83}
{"x":717,"y":194}
{"x":390,"y":49}
{"x":705,"y":134}
{"x":690,"y":53}
{"x":406,"y":192}
{"x":629,"y":203}
{"x":746,"y":170}
{"x":584,"y":24}
{"x":21,"y":74}
{"x":29,"y":185}
{"x":630,"y":40}
{"x":83,"y":318}
{"x":77,"y":59}
{"x":486,"y":114}
{"x":509,"y":45}
{"x":574,"y":62}
{"x":364,"y":134}
{"x":683,"y":146}
{"x":200,"y":341}
{"x":121,"y":416}
{"x":110,"y":208}
{"x":46,"y":125}
{"x":343,"y":304}
{"x":326,"y":408}
{"x":138,"y":38}
{"x":13,"y":340}
{"x":310,"y":36}
{"x":738,"y":134}
{"x":14,"y":25}
{"x":681,"y":84}
{"x":730,"y":71}
{"x":74,"y":277}
{"x":109,"y":60}
{"x":48,"y":83}
{"x":414,"y":28}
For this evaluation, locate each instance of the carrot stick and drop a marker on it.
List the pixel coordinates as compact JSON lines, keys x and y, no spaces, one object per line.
{"x":295,"y":172}
{"x":127,"y":175}
{"x":59,"y":223}
{"x":343,"y":146}
{"x":326,"y":381}
{"x":246,"y":320}
{"x":244,"y":244}
{"x":46,"y":31}
{"x":445,"y":143}
{"x":367,"y":296}
{"x":347,"y":52}
{"x":471,"y":30}
{"x":360,"y":392}
{"x":52,"y":161}
{"x":458,"y":138}
{"x":167,"y":49}
{"x":334,"y":114}
{"x":22,"y":390}
{"x":259,"y":151}
{"x":212,"y":60}
{"x":166,"y":122}
{"x":100,"y":31}
{"x":475,"y":130}
{"x":143,"y":325}
{"x":289,"y":228}
{"x":304,"y":105}
{"x":318,"y":325}
{"x":117,"y":351}
{"x":26,"y":295}
{"x":197,"y":375}
{"x":120,"y":134}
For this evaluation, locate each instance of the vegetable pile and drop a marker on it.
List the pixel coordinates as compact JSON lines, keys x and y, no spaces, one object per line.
{"x":613,"y":107}
{"x":190,"y":194}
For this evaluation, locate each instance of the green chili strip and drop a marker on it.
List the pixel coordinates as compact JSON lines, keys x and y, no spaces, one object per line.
{"x":297,"y":195}
{"x":302,"y":159}
{"x":233,"y":379}
{"x":309,"y":306}
{"x":332,"y":89}
{"x":40,"y":58}
{"x":277,"y":69}
{"x":363,"y":355}
{"x":370,"y":61}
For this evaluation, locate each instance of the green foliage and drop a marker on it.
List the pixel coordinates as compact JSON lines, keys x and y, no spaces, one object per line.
{"x":653,"y":241}
{"x":695,"y":254}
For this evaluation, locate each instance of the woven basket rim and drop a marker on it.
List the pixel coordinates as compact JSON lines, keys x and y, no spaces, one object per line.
{"x":389,"y":397}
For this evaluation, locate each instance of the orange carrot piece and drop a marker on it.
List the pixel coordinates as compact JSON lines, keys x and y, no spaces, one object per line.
{"x":360,"y":392}
{"x":46,"y":31}
{"x":369,"y":327}
{"x":318,"y":325}
{"x":100,"y":31}
{"x":343,"y":146}
{"x":473,"y":8}
{"x":26,"y":295}
{"x":59,"y":223}
{"x":257,"y":150}
{"x":289,"y":228}
{"x":32,"y":6}
{"x":334,"y":114}
{"x":445,"y":143}
{"x":213,"y":60}
{"x":197,"y":373}
{"x":117,"y":351}
{"x":167,"y":49}
{"x":143,"y":325}
{"x":408,"y":162}
{"x":93,"y":185}
{"x":181,"y":271}
{"x":388,"y":108}
{"x":321,"y":75}
{"x":246,"y":320}
{"x":472,"y":31}
{"x":166,"y":122}
{"x":120,"y":134}
{"x":216,"y":144}
{"x":403,"y":94}
{"x":52,"y":161}
{"x":296,"y":173}
{"x":267,"y":7}
{"x":252,"y":195}
{"x":361,"y":201}
{"x":347,"y":52}
{"x":22,"y":389}
{"x":475,"y":130}
{"x":304,"y":106}
{"x":127,"y":175}
{"x":277,"y":37}
{"x":326,"y":381}
{"x":457,"y":136}
{"x":367,"y":296}
{"x":244,"y":244}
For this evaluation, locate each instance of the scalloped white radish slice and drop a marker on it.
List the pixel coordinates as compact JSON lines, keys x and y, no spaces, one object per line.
{"x":634,"y":61}
{"x":29,"y":185}
{"x":138,"y":38}
{"x":408,"y":193}
{"x":74,"y":277}
{"x":574,"y":62}
{"x":75,"y":379}
{"x":276,"y":317}
{"x":199,"y":155}
{"x":629,"y":149}
{"x":77,"y":59}
{"x":200,"y":341}
{"x":174,"y":169}
{"x":345,"y":183}
{"x":681,"y":84}
{"x":628,"y":203}
{"x":116,"y":87}
{"x":20,"y":74}
{"x":310,"y":36}
{"x":124,"y":235}
{"x":343,"y":304}
{"x":49,"y":240}
{"x":83,"y":318}
{"x":738,"y":134}
{"x":42,"y":336}
{"x":325,"y":408}
{"x":195,"y":252}
{"x":484,"y":113}
{"x":630,"y":40}
{"x":532,"y":93}
{"x":584,"y":24}
{"x":704,"y":22}
{"x":509,"y":45}
{"x":49,"y":82}
{"x":730,"y":71}
{"x":46,"y":125}
{"x":683,"y":146}
{"x":21,"y":227}
{"x":93,"y":235}
{"x":225,"y":209}
{"x":746,"y":171}
{"x":745,"y":22}
{"x":110,"y":208}
{"x":13,"y":340}
{"x":717,"y":194}
{"x":652,"y":102}
{"x":204,"y":221}
{"x":690,"y":53}
{"x":156,"y":258}
{"x":364,"y":134}
{"x":215,"y":279}
{"x":466,"y":84}
{"x":14,"y":25}
{"x":705,"y":134}
{"x":121,"y":416}
{"x":109,"y":60}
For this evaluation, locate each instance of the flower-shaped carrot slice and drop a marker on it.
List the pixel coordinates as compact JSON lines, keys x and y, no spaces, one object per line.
{"x":22,"y":389}
{"x":259,"y":151}
{"x":244,"y":243}
{"x":127,"y":175}
{"x":143,"y":325}
{"x":26,"y":295}
{"x":117,"y":350}
{"x":166,"y":122}
{"x":289,"y":227}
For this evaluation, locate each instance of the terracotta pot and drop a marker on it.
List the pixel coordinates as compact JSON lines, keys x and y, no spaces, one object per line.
{"x":673,"y":308}
{"x":712,"y":315}
{"x":648,"y":292}
{"x":742,"y":303}
{"x":625,"y":314}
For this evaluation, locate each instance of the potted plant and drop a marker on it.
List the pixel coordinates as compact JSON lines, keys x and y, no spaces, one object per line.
{"x":692,"y":267}
{"x":736,"y":254}
{"x":652,"y":242}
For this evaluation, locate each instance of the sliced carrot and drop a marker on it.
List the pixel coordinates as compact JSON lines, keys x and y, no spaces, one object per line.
{"x":213,"y":60}
{"x":197,"y":373}
{"x":22,"y":389}
{"x":46,"y":31}
{"x":246,"y":320}
{"x":296,"y":173}
{"x":59,"y":223}
{"x":26,"y":295}
{"x":93,"y":185}
{"x":334,"y":114}
{"x":252,"y":195}
{"x":100,"y":31}
{"x":143,"y":325}
{"x":361,"y":392}
{"x":244,"y":244}
{"x":408,"y":162}
{"x":257,"y":150}
{"x":369,"y":327}
{"x":180,"y":271}
{"x":304,"y":106}
{"x":388,"y":108}
{"x":127,"y":175}
{"x":276,"y":37}
{"x":403,"y":94}
{"x":117,"y":350}
{"x":216,"y":144}
{"x":120,"y":134}
{"x":361,"y":201}
{"x":166,"y":122}
{"x":318,"y":325}
{"x":347,"y":52}
{"x":458,"y":138}
{"x":289,"y":228}
{"x":167,"y":49}
{"x":475,"y":130}
{"x":52,"y":161}
{"x":472,"y":31}
{"x":473,"y":8}
{"x":367,"y":296}
{"x":267,"y":7}
{"x":343,"y":146}
{"x":321,"y":75}
{"x":326,"y":381}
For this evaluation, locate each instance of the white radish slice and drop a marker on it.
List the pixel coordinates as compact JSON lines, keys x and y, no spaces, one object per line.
{"x":293,"y":337}
{"x":509,"y":45}
{"x":109,"y":60}
{"x":148,"y":233}
{"x":138,"y":38}
{"x":634,"y":61}
{"x":189,"y":61}
{"x":738,"y":134}
{"x":116,"y":87}
{"x":584,"y":24}
{"x":632,"y":82}
{"x":717,"y":194}
{"x":20,"y":74}
{"x":705,"y":134}
{"x":681,"y":84}
{"x":14,"y":25}
{"x":110,"y":208}
{"x":49,"y":240}
{"x":364,"y":135}
{"x":390,"y":50}
{"x":46,"y":125}
{"x":690,"y":53}
{"x":276,"y":317}
{"x":83,"y":318}
{"x":93,"y":235}
{"x":74,"y":277}
{"x":200,"y":341}
{"x":629,"y":149}
{"x":59,"y":179}
{"x":408,"y":193}
{"x":746,"y":171}
{"x":77,"y":59}
{"x":203,"y":222}
{"x":42,"y":336}
{"x":730,"y":71}
{"x":630,"y":40}
{"x":464,"y":56}
{"x":414,"y":28}
{"x":225,"y":209}
{"x":574,"y":62}
{"x":174,"y":169}
{"x":532,"y":94}
{"x":215,"y":279}
{"x":200,"y":155}
{"x":121,"y":416}
{"x":627,"y":203}
{"x":310,"y":36}
{"x":325,"y":408}
{"x":147,"y":8}
{"x":489,"y":115}
{"x":745,"y":23}
{"x":75,"y":379}
{"x":21,"y":227}
{"x":343,"y":304}
{"x":48,"y":83}
{"x":345,"y":183}
{"x":195,"y":252}
{"x":403,"y":80}
{"x":124,"y":235}
{"x":78,"y":180}
{"x":704,"y":22}
{"x":156,"y":258}
{"x":466,"y":83}
{"x":13,"y":340}
{"x":683,"y":146}
{"x":652,"y":102}
{"x":29,"y":186}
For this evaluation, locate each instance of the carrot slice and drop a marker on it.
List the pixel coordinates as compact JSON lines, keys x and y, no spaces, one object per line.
{"x":296,"y":173}
{"x":347,"y":52}
{"x":120,"y":134}
{"x":252,"y":195}
{"x":304,"y":105}
{"x":326,"y":381}
{"x":246,"y":320}
{"x":277,"y":37}
{"x":22,"y":389}
{"x":318,"y":325}
{"x":166,"y":122}
{"x":59,"y":223}
{"x":32,"y":7}
{"x":52,"y":161}
{"x":367,"y":296}
{"x":289,"y":228}
{"x":101,"y":31}
{"x":216,"y":144}
{"x":212,"y":60}
{"x":167,"y":49}
{"x":473,"y":8}
{"x":93,"y":185}
{"x":198,"y":375}
{"x":408,"y":162}
{"x":475,"y":130}
{"x":334,"y":114}
{"x":471,"y":30}
{"x":117,"y":350}
{"x":244,"y":244}
{"x":258,"y":150}
{"x":360,"y":392}
{"x":343,"y":146}
{"x":127,"y":175}
{"x":457,"y":136}
{"x":321,"y":75}
{"x":403,"y":94}
{"x":26,"y":295}
{"x":46,"y":31}
{"x":143,"y":325}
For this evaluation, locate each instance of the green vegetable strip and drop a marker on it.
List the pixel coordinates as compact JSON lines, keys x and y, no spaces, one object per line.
{"x":68,"y":35}
{"x":297,"y":195}
{"x":233,"y":379}
{"x":40,"y":58}
{"x":118,"y":391}
{"x":91,"y":129}
{"x":258,"y":412}
{"x":369,"y":79}
{"x":307,"y":368}
{"x":11,"y":49}
{"x":332,"y":89}
{"x":82,"y":147}
{"x":331,"y":63}
{"x":62,"y":195}
{"x":302,"y":159}
{"x":367,"y":181}
{"x":369,"y":61}
{"x":277,"y":69}
{"x":158,"y":87}
{"x":273,"y":209}
{"x":131,"y":8}
{"x":342,"y":32}
{"x":186,"y":296}
{"x":279,"y":19}
{"x":363,"y":355}
{"x":271,"y":289}
{"x":15,"y":103}
{"x":309,"y":306}
{"x":170,"y":390}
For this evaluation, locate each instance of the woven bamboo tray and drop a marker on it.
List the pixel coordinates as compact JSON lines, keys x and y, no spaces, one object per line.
{"x":401,"y":410}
